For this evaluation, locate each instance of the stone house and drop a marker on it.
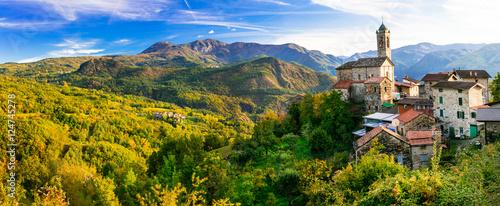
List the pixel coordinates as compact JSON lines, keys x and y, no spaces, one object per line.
{"x":378,"y":92}
{"x":431,"y":79}
{"x":413,"y":121}
{"x":455,"y":106}
{"x":478,"y":76}
{"x":413,"y":151}
{"x":414,"y":103}
{"x":421,"y":146}
{"x":394,"y":144}
{"x":489,"y":115}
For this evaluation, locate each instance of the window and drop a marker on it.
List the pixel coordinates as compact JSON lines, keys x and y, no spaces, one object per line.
{"x":441,"y":113}
{"x":460,"y":115}
{"x":385,"y":89}
{"x":440,"y":100}
{"x":460,"y":101}
{"x":359,"y":76}
{"x":424,"y":157}
{"x":473,"y":114}
{"x":461,"y":130}
{"x":440,"y":90}
{"x":459,"y":91}
{"x":375,"y":89}
{"x":387,"y":74}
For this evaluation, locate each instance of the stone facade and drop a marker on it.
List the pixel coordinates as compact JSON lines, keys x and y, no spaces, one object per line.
{"x":393,"y":143}
{"x":432,"y":79}
{"x":421,"y":122}
{"x":378,"y":92}
{"x":453,"y":107}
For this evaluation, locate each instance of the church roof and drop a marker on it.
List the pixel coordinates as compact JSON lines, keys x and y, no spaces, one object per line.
{"x":383,"y":28}
{"x":365,"y":62}
{"x":473,"y":74}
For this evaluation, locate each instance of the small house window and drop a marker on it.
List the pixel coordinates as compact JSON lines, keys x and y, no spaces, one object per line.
{"x":461,"y":130}
{"x":460,"y":101}
{"x":441,"y":113}
{"x":359,"y":76}
{"x":473,"y":114}
{"x":440,"y":100}
{"x":459,"y":91}
{"x":424,"y":158}
{"x":440,"y":90}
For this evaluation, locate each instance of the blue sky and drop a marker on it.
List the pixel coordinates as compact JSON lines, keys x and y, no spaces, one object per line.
{"x":36,"y":29}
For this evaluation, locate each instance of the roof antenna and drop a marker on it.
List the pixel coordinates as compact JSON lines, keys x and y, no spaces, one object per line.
{"x":382,"y":19}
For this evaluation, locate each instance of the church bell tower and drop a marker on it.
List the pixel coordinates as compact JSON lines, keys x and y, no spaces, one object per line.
{"x":383,"y":41}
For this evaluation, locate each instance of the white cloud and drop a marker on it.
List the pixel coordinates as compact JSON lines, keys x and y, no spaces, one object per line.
{"x":75,"y":52}
{"x":75,"y":47}
{"x":239,"y":25}
{"x":410,"y":22}
{"x":199,"y":36}
{"x":211,"y":31}
{"x":127,"y":9}
{"x":281,"y":3}
{"x":6,"y":24}
{"x":173,"y":36}
{"x":122,"y":42}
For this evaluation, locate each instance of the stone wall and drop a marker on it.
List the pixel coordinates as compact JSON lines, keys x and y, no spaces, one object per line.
{"x":358,"y":92}
{"x":417,"y":154}
{"x":450,"y":108}
{"x":392,"y":146}
{"x":422,"y":122}
{"x":344,"y":74}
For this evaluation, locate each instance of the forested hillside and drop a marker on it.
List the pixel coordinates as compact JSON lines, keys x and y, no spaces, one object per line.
{"x":88,"y":147}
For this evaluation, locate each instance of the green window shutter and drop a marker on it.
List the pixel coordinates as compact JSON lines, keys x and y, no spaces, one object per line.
{"x":460,"y":101}
{"x":440,"y":100}
{"x":473,"y":115}
{"x":458,"y":115}
{"x":441,"y":113}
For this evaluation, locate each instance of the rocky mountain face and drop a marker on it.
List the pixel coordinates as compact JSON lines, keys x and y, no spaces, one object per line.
{"x":213,"y":50}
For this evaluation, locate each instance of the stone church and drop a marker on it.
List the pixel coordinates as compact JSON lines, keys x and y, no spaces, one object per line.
{"x":369,"y":80}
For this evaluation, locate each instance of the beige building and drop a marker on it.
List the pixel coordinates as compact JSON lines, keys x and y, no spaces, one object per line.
{"x":455,"y":105}
{"x":478,"y":76}
{"x":358,"y":75}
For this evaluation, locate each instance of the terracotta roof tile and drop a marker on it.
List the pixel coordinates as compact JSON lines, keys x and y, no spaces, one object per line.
{"x":402,"y":84}
{"x":343,"y":84}
{"x":420,"y":137}
{"x":409,"y":115}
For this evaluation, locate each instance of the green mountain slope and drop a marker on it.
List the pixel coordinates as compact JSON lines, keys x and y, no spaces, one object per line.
{"x":95,"y":145}
{"x":247,"y":87}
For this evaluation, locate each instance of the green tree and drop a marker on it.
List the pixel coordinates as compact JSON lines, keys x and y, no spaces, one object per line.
{"x":495,"y":88}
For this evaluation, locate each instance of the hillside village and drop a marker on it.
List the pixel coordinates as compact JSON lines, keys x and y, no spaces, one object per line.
{"x":410,"y":117}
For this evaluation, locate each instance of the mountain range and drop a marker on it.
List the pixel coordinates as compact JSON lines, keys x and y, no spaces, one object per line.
{"x":413,"y":60}
{"x":238,"y":78}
